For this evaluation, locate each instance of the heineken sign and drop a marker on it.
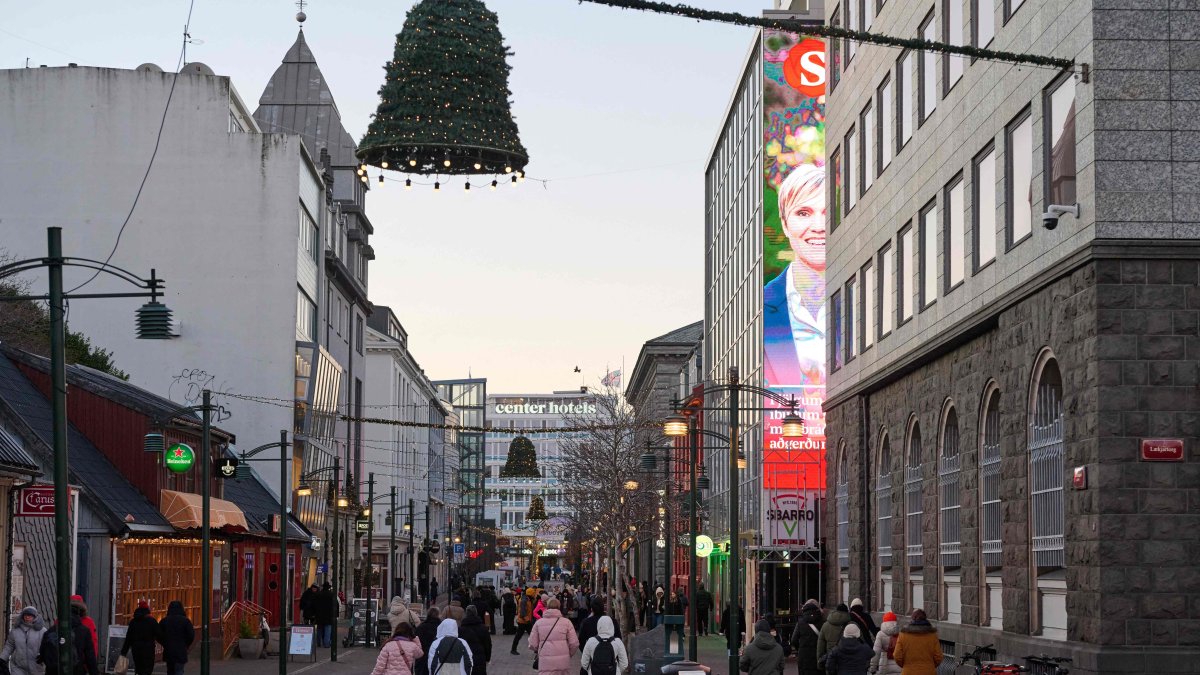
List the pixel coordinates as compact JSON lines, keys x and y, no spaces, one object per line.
{"x":180,"y":458}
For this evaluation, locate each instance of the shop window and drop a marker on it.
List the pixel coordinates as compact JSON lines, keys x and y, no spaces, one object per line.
{"x":842,"y":504}
{"x":248,"y":577}
{"x":914,"y":509}
{"x":990,"y":517}
{"x":1047,"y":477}
{"x":883,"y":530}
{"x":949,"y":526}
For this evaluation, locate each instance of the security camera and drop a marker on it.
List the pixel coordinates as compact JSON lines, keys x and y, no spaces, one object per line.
{"x":1056,"y":211}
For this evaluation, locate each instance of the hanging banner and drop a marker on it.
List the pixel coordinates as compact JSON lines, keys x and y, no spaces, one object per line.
{"x":794,"y":353}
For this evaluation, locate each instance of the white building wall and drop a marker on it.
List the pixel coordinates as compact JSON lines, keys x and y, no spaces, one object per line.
{"x":217,"y":220}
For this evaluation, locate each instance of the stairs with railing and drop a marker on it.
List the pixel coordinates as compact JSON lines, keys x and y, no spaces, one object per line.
{"x":231,"y":621}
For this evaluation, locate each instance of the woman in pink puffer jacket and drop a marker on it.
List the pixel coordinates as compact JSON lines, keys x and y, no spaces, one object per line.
{"x":554,"y":640}
{"x":401,"y":653}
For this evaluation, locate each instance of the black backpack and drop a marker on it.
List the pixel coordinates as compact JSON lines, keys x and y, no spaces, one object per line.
{"x":604,"y":657}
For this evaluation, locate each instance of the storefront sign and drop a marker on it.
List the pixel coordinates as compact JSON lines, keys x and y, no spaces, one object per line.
{"x":225,"y":467}
{"x":362,"y":525}
{"x":1162,"y":450}
{"x":704,"y":545}
{"x":180,"y":458}
{"x":301,"y":643}
{"x":791,"y":517}
{"x":36,"y":501}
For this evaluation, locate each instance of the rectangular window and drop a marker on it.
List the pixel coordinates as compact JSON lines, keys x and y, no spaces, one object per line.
{"x":906,"y":278}
{"x":308,"y":234}
{"x":852,"y":186}
{"x":955,"y":233}
{"x":1011,"y":7}
{"x":983,"y":198}
{"x":867,"y":158}
{"x":929,"y":268}
{"x":868,"y":14}
{"x":1018,"y":184}
{"x":983,"y":22}
{"x":952,"y":33}
{"x":306,"y":317}
{"x":835,"y":52}
{"x":868,"y":307}
{"x":1060,"y":142}
{"x":886,"y":284}
{"x":852,"y":316}
{"x":886,"y":134}
{"x":839,"y":340}
{"x":835,"y":197}
{"x":905,"y":93}
{"x":927,"y":70}
{"x":358,"y":334}
{"x":851,"y":16}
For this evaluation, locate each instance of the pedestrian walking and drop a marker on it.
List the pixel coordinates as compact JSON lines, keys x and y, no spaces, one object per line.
{"x":604,"y":653}
{"x":741,"y":620}
{"x":851,"y":656}
{"x":400,"y":654}
{"x":764,"y":655}
{"x":674,"y":604}
{"x":325,"y":613}
{"x":81,"y":640}
{"x":78,"y":605}
{"x":804,"y":638}
{"x":399,"y":611}
{"x":590,"y":627}
{"x":658,"y":606}
{"x":453,"y":612}
{"x":20,"y":653}
{"x":478,"y":638}
{"x":884,"y":661}
{"x":427,"y":635}
{"x":918,"y":650}
{"x":554,"y":641}
{"x":704,"y":605}
{"x":525,"y":606}
{"x":831,"y":632}
{"x":140,"y":638}
{"x":175,"y":634}
{"x":308,"y":605}
{"x":508,"y":607}
{"x":862,"y":618}
{"x":449,"y":654}
{"x":433,"y":593}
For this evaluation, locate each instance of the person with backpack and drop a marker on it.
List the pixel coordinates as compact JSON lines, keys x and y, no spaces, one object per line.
{"x":554,"y":641}
{"x":851,"y":656}
{"x":804,"y":638}
{"x":175,"y":634}
{"x":477,"y":637}
{"x":401,"y":654}
{"x":589,"y":627}
{"x":449,"y":654}
{"x":604,"y":654}
{"x":884,"y":661}
{"x":525,"y":605}
{"x":24,"y":643}
{"x":140,"y":638}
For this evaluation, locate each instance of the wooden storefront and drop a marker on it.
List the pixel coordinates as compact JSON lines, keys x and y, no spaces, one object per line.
{"x":162,"y":570}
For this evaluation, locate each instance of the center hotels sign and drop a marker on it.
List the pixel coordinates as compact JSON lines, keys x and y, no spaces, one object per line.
{"x":566,"y":408}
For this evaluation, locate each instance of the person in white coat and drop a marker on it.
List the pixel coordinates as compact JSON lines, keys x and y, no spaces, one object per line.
{"x":605,"y":631}
{"x":449,"y":654}
{"x":885,"y":644}
{"x":24,"y":640}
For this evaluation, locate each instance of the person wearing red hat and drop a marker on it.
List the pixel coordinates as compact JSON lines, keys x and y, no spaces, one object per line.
{"x":884,"y":661}
{"x":79,"y":607}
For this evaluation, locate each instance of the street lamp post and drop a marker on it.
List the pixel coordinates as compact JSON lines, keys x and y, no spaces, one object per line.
{"x":370,"y":637}
{"x":153,"y":323}
{"x":792,"y":427}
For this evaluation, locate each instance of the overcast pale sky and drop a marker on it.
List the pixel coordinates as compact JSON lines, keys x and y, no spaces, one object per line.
{"x":618,"y":110}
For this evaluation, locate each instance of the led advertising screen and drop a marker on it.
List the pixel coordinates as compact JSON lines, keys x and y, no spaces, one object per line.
{"x":794,"y":78}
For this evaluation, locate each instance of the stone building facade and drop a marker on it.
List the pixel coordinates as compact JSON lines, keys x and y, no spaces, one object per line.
{"x":993,"y":381}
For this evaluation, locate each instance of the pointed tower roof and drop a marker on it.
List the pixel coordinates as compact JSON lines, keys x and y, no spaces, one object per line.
{"x":297,"y":100}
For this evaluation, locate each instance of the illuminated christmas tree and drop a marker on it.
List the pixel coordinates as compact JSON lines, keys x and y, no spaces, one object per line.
{"x":522,"y":460}
{"x":537,"y":510}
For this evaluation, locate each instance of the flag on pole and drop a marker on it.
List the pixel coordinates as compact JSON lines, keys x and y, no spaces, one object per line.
{"x":612,"y":379}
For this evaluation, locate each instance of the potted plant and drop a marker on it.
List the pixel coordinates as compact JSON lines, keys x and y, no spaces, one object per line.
{"x":249,"y":643}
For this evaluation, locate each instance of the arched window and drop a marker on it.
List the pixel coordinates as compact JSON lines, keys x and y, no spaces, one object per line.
{"x":883,"y":531}
{"x":949,"y":508}
{"x":842,"y":503}
{"x":1046,"y":471}
{"x":989,"y":511}
{"x":913,"y":508}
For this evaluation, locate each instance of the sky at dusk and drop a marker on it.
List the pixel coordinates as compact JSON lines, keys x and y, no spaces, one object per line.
{"x":618,"y":110}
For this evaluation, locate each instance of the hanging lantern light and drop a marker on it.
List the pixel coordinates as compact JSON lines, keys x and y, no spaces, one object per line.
{"x":428,"y":113}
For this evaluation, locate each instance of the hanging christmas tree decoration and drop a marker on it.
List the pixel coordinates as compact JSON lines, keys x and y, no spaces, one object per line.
{"x":537,"y":510}
{"x":444,"y":105}
{"x":522,"y":460}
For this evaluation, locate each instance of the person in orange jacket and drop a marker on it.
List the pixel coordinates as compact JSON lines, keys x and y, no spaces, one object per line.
{"x":918,"y":650}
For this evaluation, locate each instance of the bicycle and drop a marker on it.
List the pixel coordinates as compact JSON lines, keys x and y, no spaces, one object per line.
{"x":990,"y":668}
{"x":1048,"y":665}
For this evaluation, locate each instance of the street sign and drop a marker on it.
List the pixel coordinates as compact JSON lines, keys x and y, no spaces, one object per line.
{"x":460,"y":549}
{"x":1162,"y":450}
{"x":225,"y":467}
{"x":362,"y":525}
{"x":37,"y":501}
{"x":322,"y":568}
{"x":180,"y":458}
{"x":704,"y":545}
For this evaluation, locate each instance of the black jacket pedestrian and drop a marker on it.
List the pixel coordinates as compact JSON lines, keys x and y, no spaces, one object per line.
{"x":704,"y":601}
{"x":479,"y":639}
{"x":804,"y":639}
{"x":426,"y":633}
{"x":741,"y":621}
{"x":587,"y":629}
{"x":139,"y":639}
{"x":308,"y":605}
{"x":510,"y":614}
{"x":175,"y":633}
{"x":862,"y":618}
{"x":325,"y":610}
{"x":433,"y":591}
{"x":85,"y":649}
{"x":851,"y":656}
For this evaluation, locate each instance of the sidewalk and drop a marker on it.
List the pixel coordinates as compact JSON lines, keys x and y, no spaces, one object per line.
{"x":356,"y":660}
